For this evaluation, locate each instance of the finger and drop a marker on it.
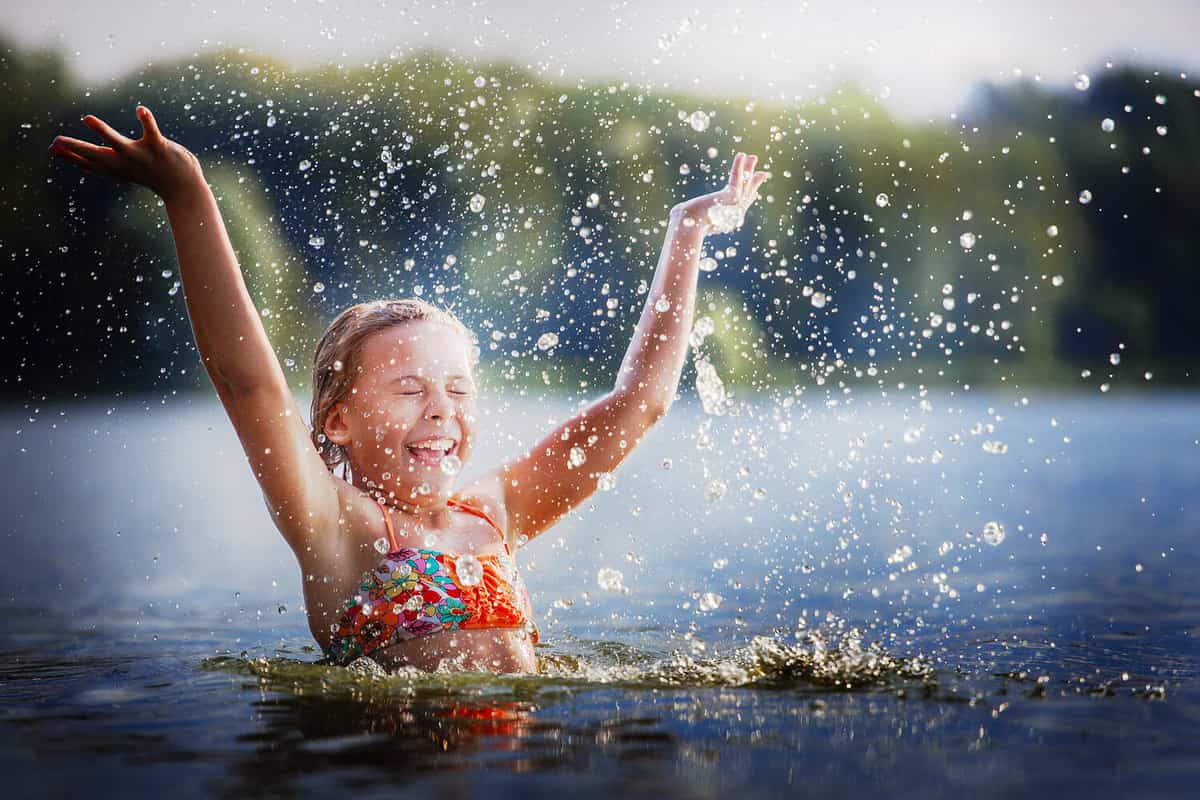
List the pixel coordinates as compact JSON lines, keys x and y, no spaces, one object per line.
{"x":735,"y":170}
{"x":747,"y":172}
{"x":74,"y":158}
{"x":106,"y":132}
{"x":86,"y":149}
{"x":149,"y":124}
{"x":759,"y":179}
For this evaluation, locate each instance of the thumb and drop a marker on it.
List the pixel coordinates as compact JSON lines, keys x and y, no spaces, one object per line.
{"x":149,"y":125}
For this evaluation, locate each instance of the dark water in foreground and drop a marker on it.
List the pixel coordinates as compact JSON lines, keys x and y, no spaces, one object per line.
{"x":832,"y":623}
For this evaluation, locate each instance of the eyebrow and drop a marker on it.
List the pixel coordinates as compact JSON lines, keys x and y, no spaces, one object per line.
{"x":422,"y":377}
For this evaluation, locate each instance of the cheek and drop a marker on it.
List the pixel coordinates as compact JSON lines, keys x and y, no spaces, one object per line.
{"x":389,"y":420}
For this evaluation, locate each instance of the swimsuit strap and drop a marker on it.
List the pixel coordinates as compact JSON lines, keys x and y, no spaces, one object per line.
{"x":387,"y":519}
{"x":482,"y":515}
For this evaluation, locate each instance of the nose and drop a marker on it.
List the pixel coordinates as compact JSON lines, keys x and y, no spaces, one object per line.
{"x":440,"y":406}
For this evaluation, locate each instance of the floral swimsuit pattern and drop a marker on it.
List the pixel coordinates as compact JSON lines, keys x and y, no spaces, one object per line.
{"x":415,"y":592}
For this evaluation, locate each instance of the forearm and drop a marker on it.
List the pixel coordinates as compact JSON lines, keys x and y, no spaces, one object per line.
{"x":654,"y":361}
{"x":229,"y":334}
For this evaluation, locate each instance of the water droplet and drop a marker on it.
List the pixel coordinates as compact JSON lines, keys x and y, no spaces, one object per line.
{"x":338,"y":366}
{"x":818,"y":299}
{"x":1052,"y":231}
{"x":710,"y":387}
{"x":967,"y":240}
{"x":662,"y":305}
{"x":1107,"y":125}
{"x":476,"y":203}
{"x":1161,"y":99}
{"x":1114,"y":358}
{"x":708,"y":264}
{"x":1057,"y":280}
{"x":882,"y":200}
{"x":993,"y":533}
{"x":1082,"y":81}
{"x":699,"y":121}
{"x":305,"y":165}
{"x":1085,"y":196}
{"x":547,"y":340}
{"x":318,"y":287}
{"x":270,"y":120}
{"x":593,"y":200}
{"x":316,"y":241}
{"x":605,"y":481}
{"x":381,"y":545}
{"x":720,"y":563}
{"x":710,"y":601}
{"x":469,"y":569}
{"x":724,"y":218}
{"x":451,"y":465}
{"x":1161,"y":130}
{"x":282,"y":609}
{"x":995,"y":447}
{"x":610,"y":580}
{"x":576,"y":457}
{"x":715,"y":490}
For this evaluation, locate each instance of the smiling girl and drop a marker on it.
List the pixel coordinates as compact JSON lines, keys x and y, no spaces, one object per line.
{"x":402,"y":562}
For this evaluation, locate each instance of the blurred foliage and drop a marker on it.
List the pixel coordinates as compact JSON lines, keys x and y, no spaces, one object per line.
{"x":361,"y":181}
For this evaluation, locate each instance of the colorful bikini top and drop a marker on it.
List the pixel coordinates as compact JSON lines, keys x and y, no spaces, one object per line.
{"x":414,"y":592}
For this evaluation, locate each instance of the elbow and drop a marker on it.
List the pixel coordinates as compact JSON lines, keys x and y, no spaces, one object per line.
{"x":650,"y":405}
{"x":657,"y":408}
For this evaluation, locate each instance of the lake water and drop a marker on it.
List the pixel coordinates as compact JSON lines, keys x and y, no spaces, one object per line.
{"x":811,"y":606}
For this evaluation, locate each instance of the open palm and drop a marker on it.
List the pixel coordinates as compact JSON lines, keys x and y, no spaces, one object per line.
{"x":725,"y":210}
{"x":153,"y":161}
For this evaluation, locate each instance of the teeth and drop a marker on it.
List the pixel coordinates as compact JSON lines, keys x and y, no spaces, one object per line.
{"x":433,"y":444}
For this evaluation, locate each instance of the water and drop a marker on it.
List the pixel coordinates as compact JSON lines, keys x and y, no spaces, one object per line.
{"x":153,"y":637}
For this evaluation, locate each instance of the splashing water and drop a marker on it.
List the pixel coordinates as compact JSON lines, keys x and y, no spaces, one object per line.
{"x":710,"y":387}
{"x":699,"y":121}
{"x":469,"y":569}
{"x":993,"y":533}
{"x":610,"y":580}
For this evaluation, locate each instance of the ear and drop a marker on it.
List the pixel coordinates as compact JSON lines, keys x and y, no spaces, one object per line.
{"x":335,"y":427}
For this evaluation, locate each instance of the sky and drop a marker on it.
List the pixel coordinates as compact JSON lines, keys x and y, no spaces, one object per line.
{"x":921,"y":58}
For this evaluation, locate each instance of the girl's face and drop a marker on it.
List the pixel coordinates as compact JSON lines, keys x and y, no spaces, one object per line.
{"x":410,"y":416}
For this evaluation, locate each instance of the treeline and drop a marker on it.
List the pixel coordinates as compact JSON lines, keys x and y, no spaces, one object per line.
{"x":1016,"y":240}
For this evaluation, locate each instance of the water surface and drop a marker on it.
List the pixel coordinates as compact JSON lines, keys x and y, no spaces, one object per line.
{"x":833,"y":621}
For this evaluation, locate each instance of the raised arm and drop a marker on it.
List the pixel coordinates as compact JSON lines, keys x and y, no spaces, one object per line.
{"x":546,"y":483}
{"x":230,"y":337}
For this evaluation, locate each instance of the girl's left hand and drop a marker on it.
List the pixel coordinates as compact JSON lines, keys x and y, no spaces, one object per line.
{"x":725,"y":210}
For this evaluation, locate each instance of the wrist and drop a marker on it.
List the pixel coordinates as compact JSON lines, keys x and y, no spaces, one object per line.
{"x":186,"y":192}
{"x":684,"y":216}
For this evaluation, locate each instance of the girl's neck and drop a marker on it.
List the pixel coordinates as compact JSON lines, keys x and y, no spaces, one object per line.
{"x":430,"y":507}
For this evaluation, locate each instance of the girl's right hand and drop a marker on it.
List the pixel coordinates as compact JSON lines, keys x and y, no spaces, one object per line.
{"x":161,"y":165}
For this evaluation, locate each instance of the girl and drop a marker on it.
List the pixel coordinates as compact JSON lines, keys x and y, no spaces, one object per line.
{"x":399,"y":563}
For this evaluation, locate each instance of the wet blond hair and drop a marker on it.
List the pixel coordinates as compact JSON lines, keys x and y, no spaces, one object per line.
{"x":336,"y":360}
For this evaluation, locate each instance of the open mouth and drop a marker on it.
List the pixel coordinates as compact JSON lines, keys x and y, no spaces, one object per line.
{"x":432,"y":451}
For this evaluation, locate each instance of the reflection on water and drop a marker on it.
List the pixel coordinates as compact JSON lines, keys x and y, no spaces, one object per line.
{"x":797,"y":633}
